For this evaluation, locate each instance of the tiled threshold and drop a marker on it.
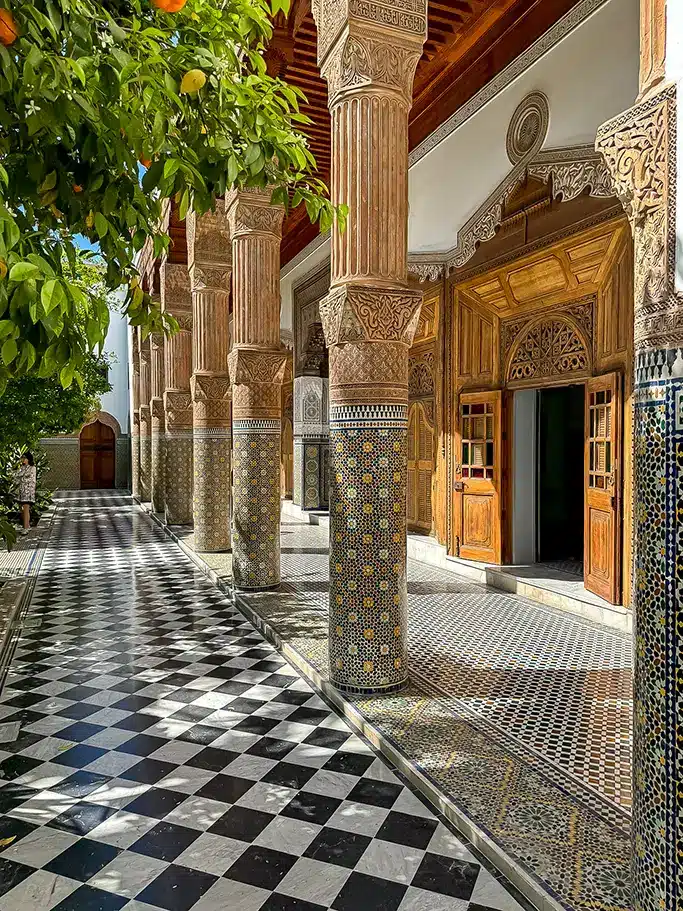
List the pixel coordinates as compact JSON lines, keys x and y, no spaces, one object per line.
{"x":558,"y":590}
{"x":560,"y":850}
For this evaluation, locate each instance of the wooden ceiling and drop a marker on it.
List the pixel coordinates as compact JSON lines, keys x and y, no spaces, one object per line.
{"x":468,"y":43}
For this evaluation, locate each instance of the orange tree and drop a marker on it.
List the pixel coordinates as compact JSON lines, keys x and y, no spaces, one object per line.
{"x":106,"y":110}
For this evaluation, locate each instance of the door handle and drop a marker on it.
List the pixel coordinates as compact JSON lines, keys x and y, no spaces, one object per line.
{"x":458,"y":485}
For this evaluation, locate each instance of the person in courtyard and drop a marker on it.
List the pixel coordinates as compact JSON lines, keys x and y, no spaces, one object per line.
{"x":25,"y":479}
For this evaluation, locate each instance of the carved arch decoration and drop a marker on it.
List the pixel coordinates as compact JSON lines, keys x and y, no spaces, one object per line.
{"x":104,"y":418}
{"x":553,"y":346}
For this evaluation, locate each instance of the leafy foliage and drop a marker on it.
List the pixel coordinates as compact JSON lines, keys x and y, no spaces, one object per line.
{"x":88,"y":91}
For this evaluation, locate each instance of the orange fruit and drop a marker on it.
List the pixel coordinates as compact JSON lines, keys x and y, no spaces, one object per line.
{"x":9,"y":31}
{"x":78,"y":188}
{"x":192,"y":82}
{"x":169,"y":6}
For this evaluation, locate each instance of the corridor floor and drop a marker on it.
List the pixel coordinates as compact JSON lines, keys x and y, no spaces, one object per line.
{"x":169,"y":758}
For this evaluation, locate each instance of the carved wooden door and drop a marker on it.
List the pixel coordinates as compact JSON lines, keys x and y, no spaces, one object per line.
{"x":477,"y":477}
{"x":98,"y":462}
{"x":287,"y":464}
{"x":602,"y":509}
{"x":420,"y":468}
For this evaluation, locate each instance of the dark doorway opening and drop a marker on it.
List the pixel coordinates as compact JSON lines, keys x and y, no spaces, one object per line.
{"x":561,"y":474}
{"x":98,"y":457}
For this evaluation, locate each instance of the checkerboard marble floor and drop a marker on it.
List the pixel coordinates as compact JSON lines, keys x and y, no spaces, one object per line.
{"x":168,"y":757}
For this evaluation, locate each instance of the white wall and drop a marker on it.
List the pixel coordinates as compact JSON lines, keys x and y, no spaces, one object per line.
{"x":117,"y":402}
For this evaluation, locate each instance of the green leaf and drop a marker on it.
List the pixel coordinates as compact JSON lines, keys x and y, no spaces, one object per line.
{"x":23,"y":270}
{"x":49,"y":183}
{"x":171,"y":165}
{"x":78,"y":69}
{"x":9,"y":351}
{"x":52,"y":295}
{"x":66,"y":375}
{"x":101,"y":225}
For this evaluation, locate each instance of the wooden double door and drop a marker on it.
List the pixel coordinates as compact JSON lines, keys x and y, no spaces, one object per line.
{"x":98,"y":457}
{"x":420,"y":466}
{"x":481,"y":487}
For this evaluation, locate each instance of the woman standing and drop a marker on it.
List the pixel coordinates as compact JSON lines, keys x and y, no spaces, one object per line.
{"x":25,"y":478}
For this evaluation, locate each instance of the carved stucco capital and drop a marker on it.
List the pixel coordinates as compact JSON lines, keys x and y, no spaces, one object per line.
{"x":639,"y":149}
{"x":360,"y":62}
{"x":248,"y":366}
{"x":178,"y":407}
{"x":175,"y":287}
{"x":252,"y":212}
{"x":357,"y":313}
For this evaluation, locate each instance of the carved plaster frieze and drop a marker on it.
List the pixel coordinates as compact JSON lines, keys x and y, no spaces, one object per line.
{"x":248,"y":366}
{"x":175,"y":287}
{"x":639,"y":149}
{"x":157,"y":342}
{"x":184,"y":320}
{"x":209,"y":388}
{"x":136,"y":422}
{"x":421,"y":373}
{"x":210,"y":277}
{"x":528,"y":127}
{"x":251,"y":212}
{"x":355,"y":313}
{"x":571,"y":170}
{"x":426,"y":270}
{"x":156,"y":407}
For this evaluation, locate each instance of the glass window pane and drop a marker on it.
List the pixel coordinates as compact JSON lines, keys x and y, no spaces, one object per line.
{"x":608,"y":458}
{"x":465,"y":453}
{"x":489,"y":453}
{"x":477,"y":472}
{"x":477,"y":454}
{"x":479,"y":408}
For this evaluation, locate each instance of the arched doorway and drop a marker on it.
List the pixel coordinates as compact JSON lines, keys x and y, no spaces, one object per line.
{"x":98,"y":456}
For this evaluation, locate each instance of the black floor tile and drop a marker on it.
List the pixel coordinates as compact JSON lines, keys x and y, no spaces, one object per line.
{"x":149,"y":771}
{"x":241,"y":823}
{"x":378,"y":793}
{"x":447,"y":876}
{"x":349,"y":763}
{"x":80,"y":756}
{"x":289,"y":775}
{"x":78,"y":732}
{"x":261,"y":867}
{"x":177,"y":888}
{"x":271,"y":748}
{"x":80,"y":784}
{"x":361,"y":891}
{"x":157,"y":803}
{"x":82,"y":818}
{"x":11,"y":874}
{"x":324,"y":737}
{"x":87,"y":898}
{"x":311,"y":807}
{"x":333,"y":846}
{"x":165,"y":841}
{"x":83,"y":860}
{"x":142,"y":745}
{"x":212,"y":759}
{"x":226,"y":788}
{"x":415,"y":831}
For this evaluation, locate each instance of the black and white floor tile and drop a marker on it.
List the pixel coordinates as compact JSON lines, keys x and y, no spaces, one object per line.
{"x":169,"y":758}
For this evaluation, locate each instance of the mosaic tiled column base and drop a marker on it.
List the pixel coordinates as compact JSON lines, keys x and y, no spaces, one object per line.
{"x":211,"y":499}
{"x":311,"y":464}
{"x":135,"y":455}
{"x":178,"y":474}
{"x":658,"y":547}
{"x":157,"y":450}
{"x":256,"y":507}
{"x":368,"y":582}
{"x":145,"y":454}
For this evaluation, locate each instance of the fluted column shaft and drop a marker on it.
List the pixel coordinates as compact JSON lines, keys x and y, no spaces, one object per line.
{"x":158,"y":422}
{"x":257,"y":367}
{"x":369,"y":319}
{"x":145,"y":419}
{"x":209,"y":253}
{"x":177,"y":300}
{"x":135,"y":414}
{"x":641,"y":150}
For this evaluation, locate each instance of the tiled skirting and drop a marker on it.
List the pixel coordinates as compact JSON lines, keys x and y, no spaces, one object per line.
{"x":532,"y":762}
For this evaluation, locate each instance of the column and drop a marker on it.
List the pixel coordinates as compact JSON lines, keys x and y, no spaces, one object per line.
{"x":369,"y":318}
{"x":145,"y":420}
{"x":639,"y":147}
{"x":209,"y":263}
{"x":176,"y":299}
{"x":135,"y":414}
{"x":158,"y":422}
{"x":257,"y":367}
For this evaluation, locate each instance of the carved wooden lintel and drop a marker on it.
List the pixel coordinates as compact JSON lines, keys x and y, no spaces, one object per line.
{"x":639,"y":149}
{"x":355,"y":313}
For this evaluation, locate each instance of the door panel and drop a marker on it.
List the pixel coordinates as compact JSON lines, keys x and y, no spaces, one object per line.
{"x":477,"y":493}
{"x":420,"y":468}
{"x":602,"y":512}
{"x":98,"y":456}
